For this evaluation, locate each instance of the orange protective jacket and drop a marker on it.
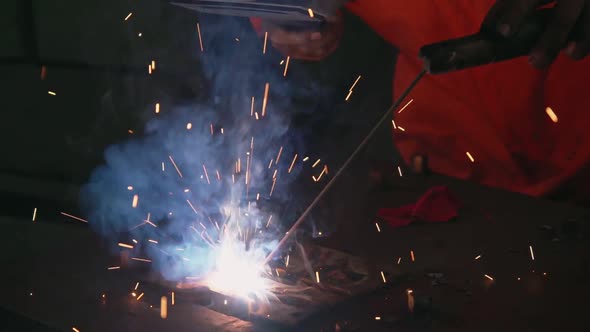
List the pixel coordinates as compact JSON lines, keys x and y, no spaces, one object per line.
{"x":497,"y":112}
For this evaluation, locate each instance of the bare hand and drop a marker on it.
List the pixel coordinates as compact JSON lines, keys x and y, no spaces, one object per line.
{"x":308,"y":44}
{"x":571,"y":19}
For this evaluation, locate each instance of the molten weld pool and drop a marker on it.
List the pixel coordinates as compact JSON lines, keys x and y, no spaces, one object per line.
{"x":307,"y":280}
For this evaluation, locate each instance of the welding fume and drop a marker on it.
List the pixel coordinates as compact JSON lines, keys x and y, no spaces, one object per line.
{"x":504,"y":102}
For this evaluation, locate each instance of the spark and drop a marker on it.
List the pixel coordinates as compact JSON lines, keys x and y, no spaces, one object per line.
{"x":281,"y":63}
{"x":128,"y":16}
{"x":377,"y":318}
{"x":269,"y":220}
{"x":52,"y":93}
{"x":470,"y":156}
{"x":352,"y":88}
{"x":383,"y":277}
{"x":378,"y":228}
{"x":74,"y":217}
{"x":252,"y":107}
{"x":477,"y":257}
{"x":399,"y":260}
{"x":174,"y":164}
{"x":163,"y":167}
{"x":129,"y":188}
{"x":34,"y":214}
{"x":322,"y":173}
{"x":135,"y":201}
{"x":130,"y":131}
{"x":399,"y":170}
{"x":125,"y":245}
{"x":225,"y":302}
{"x":286,"y":66}
{"x":310,"y":12}
{"x":139,"y":34}
{"x":270,"y":163}
{"x":256,"y":114}
{"x":189,"y":126}
{"x":153,"y":241}
{"x":265,"y":40}
{"x":401,"y":128}
{"x":265,"y":100}
{"x":134,"y":241}
{"x":316,"y":163}
{"x":200,"y":39}
{"x":113,"y":268}
{"x":173,"y":298}
{"x":140,"y":296}
{"x":136,"y":286}
{"x":211,"y":128}
{"x":551,"y":114}
{"x":218,"y":175}
{"x":279,"y":155}
{"x":532,"y":253}
{"x":393,"y":123}
{"x":292,"y":163}
{"x":272,"y":189}
{"x":348,"y":95}
{"x":154,"y":64}
{"x":163,"y":307}
{"x":150,"y":69}
{"x":412,"y":255}
{"x":317,"y":276}
{"x":287,"y":261}
{"x":141,"y":259}
{"x":306,"y":159}
{"x":404,"y":107}
{"x":487,"y":276}
{"x":75,"y":329}
{"x":221,"y":130}
{"x":258,"y":196}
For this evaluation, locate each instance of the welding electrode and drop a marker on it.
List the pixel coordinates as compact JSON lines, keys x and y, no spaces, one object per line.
{"x":442,"y":57}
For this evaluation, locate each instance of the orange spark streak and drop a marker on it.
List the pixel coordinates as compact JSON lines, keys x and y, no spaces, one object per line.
{"x":310,"y":12}
{"x":52,"y":93}
{"x":477,"y":257}
{"x":316,"y":163}
{"x":141,"y":259}
{"x":252,"y":107}
{"x":265,"y":40}
{"x":532,"y":253}
{"x":113,"y":268}
{"x":150,"y":69}
{"x":125,"y":245}
{"x":383,"y":277}
{"x":176,"y":167}
{"x":140,"y":296}
{"x":279,"y":155}
{"x":399,"y":170}
{"x":136,"y":285}
{"x":268,"y":222}
{"x":128,"y":16}
{"x":163,"y":307}
{"x":173,"y":298}
{"x":273,"y":186}
{"x":399,"y":260}
{"x":401,"y":128}
{"x":218,"y":176}
{"x":270,"y":163}
{"x":355,"y":82}
{"x":265,"y":100}
{"x":34,"y":214}
{"x":378,"y":228}
{"x":275,"y":173}
{"x":470,"y":156}
{"x":412,"y":255}
{"x":348,"y":95}
{"x":189,"y":126}
{"x":206,"y":175}
{"x":75,"y":329}
{"x":487,"y":276}
{"x":322,"y":173}
{"x":200,"y":39}
{"x":317,"y":276}
{"x":292,"y":163}
{"x":393,"y":123}
{"x":551,"y":114}
{"x":73,"y":217}
{"x":135,"y":201}
{"x":286,"y":66}
{"x":306,"y":159}
{"x":153,"y":241}
{"x":404,"y":107}
{"x":211,"y":127}
{"x":256,"y":114}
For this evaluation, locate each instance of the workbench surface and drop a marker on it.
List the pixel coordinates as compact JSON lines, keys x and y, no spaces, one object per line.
{"x":55,"y":273}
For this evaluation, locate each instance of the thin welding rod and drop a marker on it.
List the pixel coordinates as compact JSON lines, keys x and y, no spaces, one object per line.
{"x":364,"y":142}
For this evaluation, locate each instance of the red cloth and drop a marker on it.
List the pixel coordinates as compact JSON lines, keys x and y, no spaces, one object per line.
{"x":436,"y":205}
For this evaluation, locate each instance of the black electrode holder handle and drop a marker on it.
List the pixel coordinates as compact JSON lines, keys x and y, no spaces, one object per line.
{"x":484,"y":47}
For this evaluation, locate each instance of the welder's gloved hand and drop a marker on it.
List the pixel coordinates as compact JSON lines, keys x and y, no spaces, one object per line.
{"x":568,"y":29}
{"x":314,"y":44}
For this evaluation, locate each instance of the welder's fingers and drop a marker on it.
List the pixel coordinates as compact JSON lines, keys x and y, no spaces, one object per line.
{"x":514,"y":16}
{"x":580,"y":46}
{"x":307,"y":45}
{"x":557,"y":32}
{"x":490,"y":21}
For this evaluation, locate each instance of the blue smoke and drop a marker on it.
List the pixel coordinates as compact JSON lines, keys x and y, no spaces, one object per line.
{"x":185,"y":214}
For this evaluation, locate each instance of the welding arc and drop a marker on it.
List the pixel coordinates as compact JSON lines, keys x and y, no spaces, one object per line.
{"x":364,"y":142}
